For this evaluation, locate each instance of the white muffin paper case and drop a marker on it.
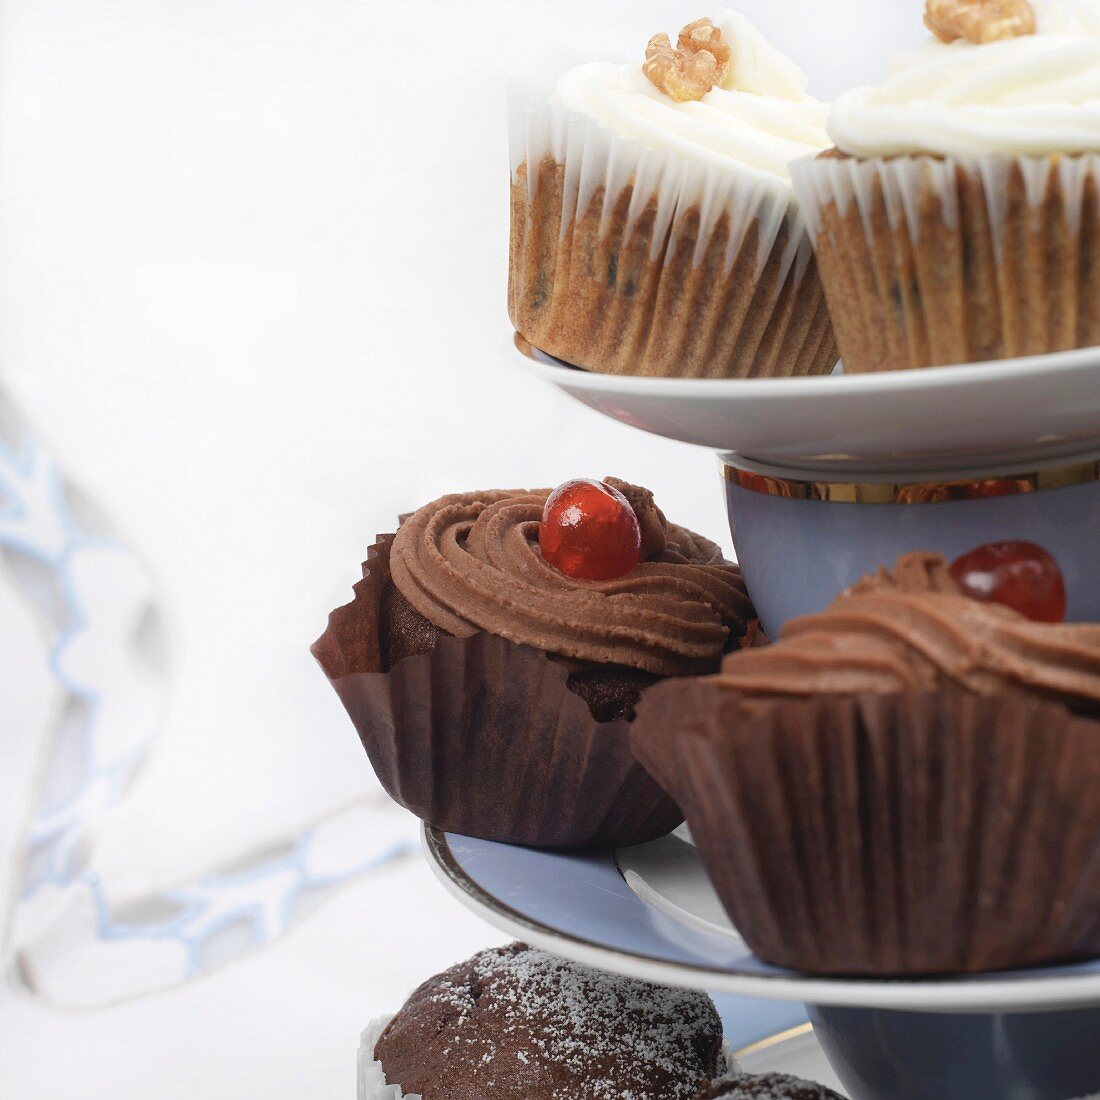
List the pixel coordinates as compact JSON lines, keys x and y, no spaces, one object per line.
{"x":955,"y":260}
{"x":906,"y":182}
{"x":372,"y":1079}
{"x":594,"y":155}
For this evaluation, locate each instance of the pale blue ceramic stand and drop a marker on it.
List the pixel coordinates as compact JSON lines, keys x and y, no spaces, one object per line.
{"x":1024,"y":1035}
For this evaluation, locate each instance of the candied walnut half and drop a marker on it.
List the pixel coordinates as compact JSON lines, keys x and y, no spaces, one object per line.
{"x":979,"y":21}
{"x":689,"y":70}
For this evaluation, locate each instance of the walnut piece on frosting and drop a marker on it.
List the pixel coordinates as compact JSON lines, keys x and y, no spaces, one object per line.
{"x":698,"y":62}
{"x":979,"y":21}
{"x":704,"y":35}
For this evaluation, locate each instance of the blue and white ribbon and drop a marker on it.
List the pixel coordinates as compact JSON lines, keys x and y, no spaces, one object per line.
{"x":65,"y":940}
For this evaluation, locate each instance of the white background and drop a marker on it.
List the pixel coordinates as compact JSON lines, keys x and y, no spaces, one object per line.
{"x":252,"y":293}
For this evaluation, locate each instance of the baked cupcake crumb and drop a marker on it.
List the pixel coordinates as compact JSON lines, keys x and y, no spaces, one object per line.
{"x":765,"y":1086}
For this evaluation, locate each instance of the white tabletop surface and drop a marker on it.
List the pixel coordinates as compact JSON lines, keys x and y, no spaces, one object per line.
{"x":252,"y":299}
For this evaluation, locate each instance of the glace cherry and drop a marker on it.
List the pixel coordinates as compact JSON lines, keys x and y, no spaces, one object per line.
{"x":1019,"y":575}
{"x":590,"y":531}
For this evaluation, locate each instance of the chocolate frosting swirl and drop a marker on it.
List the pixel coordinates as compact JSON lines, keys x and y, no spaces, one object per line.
{"x":471,"y":561}
{"x":911,"y":630}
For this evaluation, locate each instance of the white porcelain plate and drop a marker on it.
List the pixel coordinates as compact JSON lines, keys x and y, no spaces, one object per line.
{"x":649,"y":912}
{"x":1019,"y":409}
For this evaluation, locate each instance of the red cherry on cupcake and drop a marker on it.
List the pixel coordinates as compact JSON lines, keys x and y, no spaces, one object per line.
{"x":1019,"y":575}
{"x":590,"y":531}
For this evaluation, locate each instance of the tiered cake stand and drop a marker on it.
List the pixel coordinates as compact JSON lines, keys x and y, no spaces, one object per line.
{"x":650,"y":911}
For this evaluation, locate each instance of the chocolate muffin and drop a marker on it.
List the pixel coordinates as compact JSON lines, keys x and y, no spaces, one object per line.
{"x":765,"y":1086}
{"x":514,"y":1022}
{"x":494,"y":693}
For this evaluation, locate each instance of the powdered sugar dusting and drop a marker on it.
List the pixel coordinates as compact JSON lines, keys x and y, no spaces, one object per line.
{"x":766,"y":1086}
{"x":574,"y":1025}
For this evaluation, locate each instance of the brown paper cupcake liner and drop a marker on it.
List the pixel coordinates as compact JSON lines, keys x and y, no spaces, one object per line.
{"x":888,"y":836}
{"x":483,"y":737}
{"x":626,"y":261}
{"x":932,"y":261}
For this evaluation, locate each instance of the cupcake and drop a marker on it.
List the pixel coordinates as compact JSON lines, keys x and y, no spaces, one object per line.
{"x":957,"y":219}
{"x":765,"y":1086}
{"x":514,"y":1022}
{"x":654,"y":228}
{"x":899,"y":785}
{"x":498,"y":644}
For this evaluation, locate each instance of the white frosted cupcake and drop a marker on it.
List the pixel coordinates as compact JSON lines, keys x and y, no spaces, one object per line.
{"x":958,"y":218}
{"x":654,"y":226}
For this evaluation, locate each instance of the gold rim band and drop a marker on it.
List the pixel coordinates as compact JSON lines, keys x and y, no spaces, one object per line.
{"x":916,"y":492}
{"x":774,"y":1040}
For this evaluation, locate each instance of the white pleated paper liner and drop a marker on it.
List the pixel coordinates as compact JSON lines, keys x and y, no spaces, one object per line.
{"x":593,"y":156}
{"x":372,"y":1078}
{"x":627,"y":259}
{"x":372,"y":1083}
{"x":929,"y":261}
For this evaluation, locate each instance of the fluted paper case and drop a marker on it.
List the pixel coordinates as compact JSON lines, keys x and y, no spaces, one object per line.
{"x":888,"y":836}
{"x":483,"y":737}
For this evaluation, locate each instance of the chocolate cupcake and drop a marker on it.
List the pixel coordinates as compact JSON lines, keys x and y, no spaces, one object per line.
{"x":898,"y":785}
{"x":765,"y":1086}
{"x":514,"y":1022}
{"x":494,"y":693}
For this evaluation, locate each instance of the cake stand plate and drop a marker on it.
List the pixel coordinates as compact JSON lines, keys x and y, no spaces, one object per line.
{"x":1016,"y":410}
{"x":650,"y":912}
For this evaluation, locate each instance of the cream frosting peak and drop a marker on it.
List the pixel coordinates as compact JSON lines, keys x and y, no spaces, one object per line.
{"x":1080,"y":18}
{"x":1033,"y":95}
{"x":756,"y":66}
{"x":759,"y":117}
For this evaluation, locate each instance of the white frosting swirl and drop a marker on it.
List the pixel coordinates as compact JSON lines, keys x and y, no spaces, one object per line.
{"x":1029,"y":96}
{"x":760,"y":117}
